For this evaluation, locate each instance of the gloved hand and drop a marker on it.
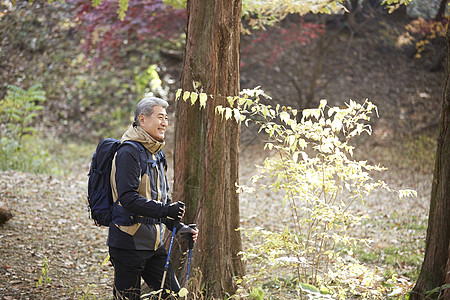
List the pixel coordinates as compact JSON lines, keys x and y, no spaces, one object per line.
{"x":190,"y":231}
{"x":171,"y":224}
{"x":183,"y":229}
{"x":176,"y":211}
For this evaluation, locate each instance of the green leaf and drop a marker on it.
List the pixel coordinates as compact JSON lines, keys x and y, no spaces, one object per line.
{"x":308,"y":288}
{"x":123,"y":7}
{"x":96,"y":3}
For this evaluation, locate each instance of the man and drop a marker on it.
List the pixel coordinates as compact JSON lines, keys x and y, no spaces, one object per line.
{"x":142,"y":206}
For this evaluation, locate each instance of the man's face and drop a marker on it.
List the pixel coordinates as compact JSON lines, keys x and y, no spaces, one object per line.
{"x":156,"y":124}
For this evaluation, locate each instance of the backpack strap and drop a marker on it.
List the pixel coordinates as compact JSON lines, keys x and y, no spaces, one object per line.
{"x":143,"y":157}
{"x":160,"y":158}
{"x":143,"y":160}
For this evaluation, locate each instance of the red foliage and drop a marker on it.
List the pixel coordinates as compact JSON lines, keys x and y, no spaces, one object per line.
{"x":289,"y":37}
{"x":145,"y":20}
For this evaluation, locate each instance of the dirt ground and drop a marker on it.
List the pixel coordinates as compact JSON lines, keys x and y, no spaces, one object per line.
{"x":51,"y":224}
{"x":51,"y":237}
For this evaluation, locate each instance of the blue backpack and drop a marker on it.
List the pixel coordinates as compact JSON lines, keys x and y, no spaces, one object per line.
{"x":100,"y":199}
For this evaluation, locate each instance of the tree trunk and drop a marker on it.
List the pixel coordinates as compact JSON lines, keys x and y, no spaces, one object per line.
{"x":207,"y":148}
{"x":433,"y":272}
{"x":447,"y":276}
{"x":441,"y":12}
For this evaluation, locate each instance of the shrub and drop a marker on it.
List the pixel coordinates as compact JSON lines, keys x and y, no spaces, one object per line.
{"x":313,"y":167}
{"x":19,"y":148}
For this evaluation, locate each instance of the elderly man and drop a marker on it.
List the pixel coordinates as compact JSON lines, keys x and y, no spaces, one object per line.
{"x":139,"y":184}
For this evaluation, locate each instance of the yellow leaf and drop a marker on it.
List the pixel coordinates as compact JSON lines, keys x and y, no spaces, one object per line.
{"x":284,"y":116}
{"x":203,"y":98}
{"x":219,"y":110}
{"x":291,"y":140}
{"x":194,"y":97}
{"x":268,"y":145}
{"x":304,"y":156}
{"x":230,"y":100}
{"x":237,"y":115}
{"x":228,"y":113}
{"x":186,"y":95}
{"x":177,"y":95}
{"x":183,"y":292}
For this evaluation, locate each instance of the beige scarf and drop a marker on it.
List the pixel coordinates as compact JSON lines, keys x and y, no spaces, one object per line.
{"x":136,"y":133}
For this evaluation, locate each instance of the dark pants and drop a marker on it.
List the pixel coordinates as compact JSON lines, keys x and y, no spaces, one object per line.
{"x":131,"y":265}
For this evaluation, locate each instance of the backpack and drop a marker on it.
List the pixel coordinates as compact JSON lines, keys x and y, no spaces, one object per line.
{"x":99,"y":195}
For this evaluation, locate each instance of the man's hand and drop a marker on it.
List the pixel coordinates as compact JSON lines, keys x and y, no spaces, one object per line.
{"x":189,"y":229}
{"x":176,"y":211}
{"x":194,"y":232}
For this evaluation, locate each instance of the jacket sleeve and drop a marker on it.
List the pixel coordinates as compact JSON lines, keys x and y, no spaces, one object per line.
{"x":127,"y":183}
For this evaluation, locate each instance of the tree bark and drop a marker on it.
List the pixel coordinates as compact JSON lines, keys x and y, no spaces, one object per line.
{"x":433,"y":272}
{"x":447,"y":276}
{"x":207,"y":148}
{"x":441,"y":11}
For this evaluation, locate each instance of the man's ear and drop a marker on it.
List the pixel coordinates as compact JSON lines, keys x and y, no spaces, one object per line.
{"x":141,"y":119}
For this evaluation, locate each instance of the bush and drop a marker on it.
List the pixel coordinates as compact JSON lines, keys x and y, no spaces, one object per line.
{"x":19,"y":148}
{"x":313,"y":167}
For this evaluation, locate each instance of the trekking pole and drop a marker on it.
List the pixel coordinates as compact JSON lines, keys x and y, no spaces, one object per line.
{"x":166,"y":267}
{"x":191,"y":246}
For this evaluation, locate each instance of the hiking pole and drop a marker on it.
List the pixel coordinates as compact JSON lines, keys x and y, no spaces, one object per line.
{"x":166,"y":267}
{"x":191,"y":245}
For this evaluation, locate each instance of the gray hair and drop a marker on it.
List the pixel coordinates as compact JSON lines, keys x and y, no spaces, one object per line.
{"x":145,"y":107}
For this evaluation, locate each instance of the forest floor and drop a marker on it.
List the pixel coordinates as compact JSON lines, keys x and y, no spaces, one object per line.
{"x":51,"y":250}
{"x":51,"y":237}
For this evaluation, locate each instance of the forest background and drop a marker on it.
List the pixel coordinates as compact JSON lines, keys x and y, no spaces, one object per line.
{"x":91,"y":89}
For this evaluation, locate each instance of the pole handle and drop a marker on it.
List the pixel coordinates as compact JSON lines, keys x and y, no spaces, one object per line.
{"x":191,"y":240}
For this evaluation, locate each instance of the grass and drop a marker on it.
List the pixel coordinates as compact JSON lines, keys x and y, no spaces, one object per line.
{"x":45,"y":156}
{"x":404,"y":256}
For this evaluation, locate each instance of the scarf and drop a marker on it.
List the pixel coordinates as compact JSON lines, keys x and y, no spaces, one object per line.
{"x":136,"y":133}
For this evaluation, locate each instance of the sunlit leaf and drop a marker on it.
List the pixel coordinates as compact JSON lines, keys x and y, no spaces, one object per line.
{"x":203,"y":97}
{"x":177,"y":94}
{"x":228,"y":113}
{"x":183,"y":292}
{"x":194,"y":97}
{"x":186,"y":95}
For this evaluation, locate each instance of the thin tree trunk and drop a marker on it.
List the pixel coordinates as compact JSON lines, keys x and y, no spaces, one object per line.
{"x":433,"y":272}
{"x":206,"y":148}
{"x":441,"y":12}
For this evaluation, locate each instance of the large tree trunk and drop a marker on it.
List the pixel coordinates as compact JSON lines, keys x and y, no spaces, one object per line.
{"x":207,"y":148}
{"x":433,"y":272}
{"x":447,"y":276}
